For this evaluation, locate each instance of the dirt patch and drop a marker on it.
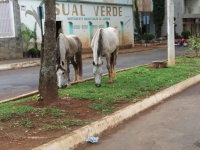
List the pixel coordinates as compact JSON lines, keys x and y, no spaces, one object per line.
{"x":15,"y":136}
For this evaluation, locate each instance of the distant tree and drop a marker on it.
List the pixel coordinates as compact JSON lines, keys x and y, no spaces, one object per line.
{"x":194,"y":45}
{"x":137,"y":30}
{"x":27,"y":35}
{"x":48,"y":83}
{"x":35,"y":35}
{"x":158,"y":15}
{"x":186,"y":34}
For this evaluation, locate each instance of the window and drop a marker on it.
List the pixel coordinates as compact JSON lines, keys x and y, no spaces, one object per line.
{"x":107,"y":24}
{"x":122,"y":31}
{"x":90,"y":31}
{"x":6,"y":19}
{"x":70,"y":28}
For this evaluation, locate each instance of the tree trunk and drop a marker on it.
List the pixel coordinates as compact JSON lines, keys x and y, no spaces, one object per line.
{"x":47,"y":82}
{"x":158,"y":64}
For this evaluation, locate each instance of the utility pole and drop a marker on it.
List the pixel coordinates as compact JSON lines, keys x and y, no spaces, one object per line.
{"x":133,"y":10}
{"x":170,"y":27}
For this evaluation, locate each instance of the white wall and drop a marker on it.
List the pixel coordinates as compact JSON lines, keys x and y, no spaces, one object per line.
{"x":111,"y":1}
{"x":178,"y":11}
{"x":164,"y":27}
{"x":80,"y":14}
{"x":193,"y":5}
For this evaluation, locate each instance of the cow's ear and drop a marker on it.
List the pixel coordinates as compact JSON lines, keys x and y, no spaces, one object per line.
{"x":93,"y":63}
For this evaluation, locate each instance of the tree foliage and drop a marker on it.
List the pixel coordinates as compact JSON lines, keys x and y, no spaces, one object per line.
{"x":27,"y":35}
{"x":194,"y":44}
{"x":149,"y":36}
{"x":35,"y":35}
{"x":186,"y":34}
{"x":137,"y":30}
{"x":158,"y":15}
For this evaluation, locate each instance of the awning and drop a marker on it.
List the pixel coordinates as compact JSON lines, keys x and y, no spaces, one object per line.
{"x":4,"y":1}
{"x":192,"y":16}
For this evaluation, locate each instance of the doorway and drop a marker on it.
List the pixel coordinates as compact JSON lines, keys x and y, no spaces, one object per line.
{"x":58,"y":28}
{"x":90,"y":32}
{"x":70,"y":28}
{"x":107,"y":24}
{"x":122,"y":32}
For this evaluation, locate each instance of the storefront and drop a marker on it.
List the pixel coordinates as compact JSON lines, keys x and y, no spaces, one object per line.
{"x":83,"y":18}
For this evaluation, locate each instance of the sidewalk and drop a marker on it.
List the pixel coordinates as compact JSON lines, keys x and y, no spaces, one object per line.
{"x":171,"y":125}
{"x":31,"y":62}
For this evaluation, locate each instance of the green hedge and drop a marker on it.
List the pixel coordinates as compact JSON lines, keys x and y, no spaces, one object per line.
{"x":149,"y":36}
{"x":34,"y":51}
{"x":186,"y":34}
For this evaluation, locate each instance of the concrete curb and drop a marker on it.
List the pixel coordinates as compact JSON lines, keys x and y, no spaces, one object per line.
{"x":19,"y":97}
{"x":72,"y":83}
{"x":70,"y":141}
{"x":19,"y":65}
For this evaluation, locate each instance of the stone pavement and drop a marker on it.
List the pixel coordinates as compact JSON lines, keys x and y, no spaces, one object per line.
{"x":30,"y":62}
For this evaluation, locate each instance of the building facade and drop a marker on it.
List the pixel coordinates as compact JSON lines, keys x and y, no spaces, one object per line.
{"x":83,"y":18}
{"x":187,"y":14}
{"x":80,"y":17}
{"x":10,"y":30}
{"x":191,"y":16}
{"x":145,"y":8}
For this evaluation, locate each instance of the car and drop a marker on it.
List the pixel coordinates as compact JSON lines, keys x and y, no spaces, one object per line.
{"x":162,"y":38}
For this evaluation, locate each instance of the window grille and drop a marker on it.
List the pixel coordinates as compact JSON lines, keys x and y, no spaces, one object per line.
{"x":6,"y":19}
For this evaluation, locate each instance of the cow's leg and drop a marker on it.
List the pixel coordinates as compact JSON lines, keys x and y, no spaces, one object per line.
{"x":68,"y":71}
{"x":109,"y":68}
{"x":115,"y":62}
{"x":111,"y":64}
{"x":75,"y":68}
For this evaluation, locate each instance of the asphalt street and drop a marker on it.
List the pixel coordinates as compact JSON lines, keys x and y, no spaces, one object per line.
{"x":20,"y":81}
{"x":171,"y":125}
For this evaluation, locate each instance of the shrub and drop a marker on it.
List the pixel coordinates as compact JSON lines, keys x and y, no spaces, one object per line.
{"x":186,"y":34}
{"x":194,"y":44}
{"x":33,"y":51}
{"x":137,"y":30}
{"x":149,"y":36}
{"x":27,"y":35}
{"x":159,"y":16}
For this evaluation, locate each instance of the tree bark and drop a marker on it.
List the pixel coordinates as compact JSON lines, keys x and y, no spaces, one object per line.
{"x":48,"y":82}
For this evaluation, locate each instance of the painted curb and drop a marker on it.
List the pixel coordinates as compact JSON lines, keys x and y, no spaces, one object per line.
{"x":19,"y":97}
{"x":37,"y":62}
{"x":72,"y":83}
{"x":72,"y":140}
{"x":19,"y":65}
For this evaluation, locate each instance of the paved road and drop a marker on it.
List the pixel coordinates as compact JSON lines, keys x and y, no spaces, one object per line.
{"x":20,"y":81}
{"x":172,"y":125}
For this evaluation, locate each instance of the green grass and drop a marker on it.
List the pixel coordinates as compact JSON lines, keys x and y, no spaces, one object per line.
{"x":26,"y":122}
{"x":48,"y":127}
{"x":133,"y":84}
{"x":130,"y":86}
{"x":57,"y":112}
